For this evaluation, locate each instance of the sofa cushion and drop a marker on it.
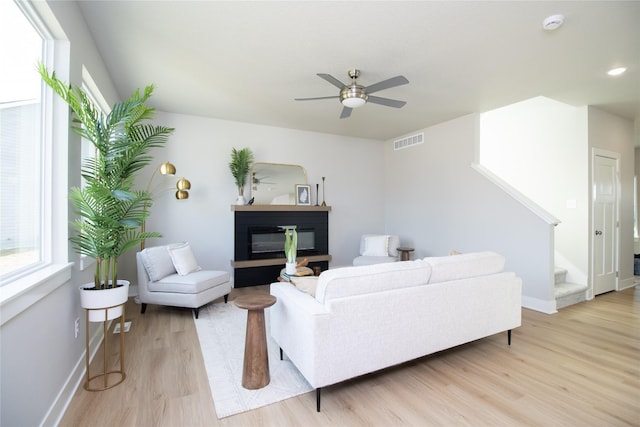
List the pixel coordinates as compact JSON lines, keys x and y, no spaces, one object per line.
{"x":183,"y":259}
{"x":473,"y":264}
{"x":376,"y":246}
{"x":349,"y":281}
{"x":193,"y":283}
{"x":392,"y":245}
{"x":157,"y":262}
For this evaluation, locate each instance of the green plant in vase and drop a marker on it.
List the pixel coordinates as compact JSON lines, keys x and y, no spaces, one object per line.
{"x":111,"y":210}
{"x":290,"y":249}
{"x":240,"y":165}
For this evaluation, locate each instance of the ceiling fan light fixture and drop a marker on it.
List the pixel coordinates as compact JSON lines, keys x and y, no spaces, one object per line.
{"x":353,"y":96}
{"x":353,"y":102}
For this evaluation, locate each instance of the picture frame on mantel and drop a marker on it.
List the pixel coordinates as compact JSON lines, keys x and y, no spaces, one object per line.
{"x":303,"y":195}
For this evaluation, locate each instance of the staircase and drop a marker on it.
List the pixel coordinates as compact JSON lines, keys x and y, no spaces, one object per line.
{"x":567,"y":293}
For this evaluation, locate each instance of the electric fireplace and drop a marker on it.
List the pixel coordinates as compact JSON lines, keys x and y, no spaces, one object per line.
{"x":268,"y":242}
{"x":259,"y":240}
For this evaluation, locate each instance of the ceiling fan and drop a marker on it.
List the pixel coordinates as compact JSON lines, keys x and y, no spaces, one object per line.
{"x":258,"y":181}
{"x":354,"y":95}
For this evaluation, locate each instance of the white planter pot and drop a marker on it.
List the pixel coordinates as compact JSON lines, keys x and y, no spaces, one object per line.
{"x":290,"y":268}
{"x":100,"y":300}
{"x":240,"y":200}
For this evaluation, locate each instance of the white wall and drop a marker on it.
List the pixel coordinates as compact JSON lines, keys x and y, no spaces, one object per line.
{"x":200,"y":149}
{"x":435,"y":201}
{"x":539,"y":146}
{"x":613,"y":133}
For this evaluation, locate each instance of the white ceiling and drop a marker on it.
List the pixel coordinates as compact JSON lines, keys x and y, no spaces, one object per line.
{"x":247,"y":61}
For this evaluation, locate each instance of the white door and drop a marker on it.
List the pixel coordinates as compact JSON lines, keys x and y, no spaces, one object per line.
{"x":605,"y":220}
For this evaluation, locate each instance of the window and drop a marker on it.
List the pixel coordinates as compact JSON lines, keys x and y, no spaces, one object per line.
{"x":93,"y":93}
{"x":87,"y":150}
{"x":34,"y":249}
{"x":21,"y":145}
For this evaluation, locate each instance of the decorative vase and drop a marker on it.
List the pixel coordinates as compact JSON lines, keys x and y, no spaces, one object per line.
{"x":240,"y":200}
{"x":99,"y":300}
{"x":290,"y":268}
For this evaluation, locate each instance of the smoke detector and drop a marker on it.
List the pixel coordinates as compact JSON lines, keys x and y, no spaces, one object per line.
{"x":553,"y":22}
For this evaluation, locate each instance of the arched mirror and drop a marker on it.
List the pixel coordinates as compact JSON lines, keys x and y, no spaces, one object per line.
{"x":275,"y":184}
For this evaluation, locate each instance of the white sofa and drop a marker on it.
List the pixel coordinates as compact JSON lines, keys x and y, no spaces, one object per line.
{"x":365,"y":318}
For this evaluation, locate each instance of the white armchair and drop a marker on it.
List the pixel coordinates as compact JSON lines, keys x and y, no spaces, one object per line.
{"x":377,"y":249}
{"x":170,"y":275}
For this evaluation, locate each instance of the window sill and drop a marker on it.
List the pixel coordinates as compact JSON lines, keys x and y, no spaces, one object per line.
{"x":21,"y":294}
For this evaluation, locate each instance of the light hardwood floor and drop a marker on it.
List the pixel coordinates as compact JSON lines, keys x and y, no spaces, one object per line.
{"x":579,"y":367}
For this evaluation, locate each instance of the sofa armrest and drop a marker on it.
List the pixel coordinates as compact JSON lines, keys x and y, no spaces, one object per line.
{"x":299,"y":325}
{"x":285,"y":291}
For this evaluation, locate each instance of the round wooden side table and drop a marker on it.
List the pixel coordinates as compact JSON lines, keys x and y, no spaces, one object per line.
{"x":255,"y":370}
{"x":405,"y":253}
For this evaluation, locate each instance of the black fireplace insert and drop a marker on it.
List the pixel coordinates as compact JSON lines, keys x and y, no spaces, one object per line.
{"x":268,"y":242}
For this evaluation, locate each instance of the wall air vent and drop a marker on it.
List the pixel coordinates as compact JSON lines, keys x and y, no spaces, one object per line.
{"x":408,"y":141}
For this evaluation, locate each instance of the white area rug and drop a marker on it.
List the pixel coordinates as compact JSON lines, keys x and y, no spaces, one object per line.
{"x":221,"y":331}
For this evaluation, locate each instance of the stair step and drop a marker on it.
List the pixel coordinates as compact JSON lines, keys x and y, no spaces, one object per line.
{"x":569,"y":293}
{"x":560,"y":275}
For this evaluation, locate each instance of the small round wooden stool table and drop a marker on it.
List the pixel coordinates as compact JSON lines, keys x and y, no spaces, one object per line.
{"x":255,"y":372}
{"x":405,"y":253}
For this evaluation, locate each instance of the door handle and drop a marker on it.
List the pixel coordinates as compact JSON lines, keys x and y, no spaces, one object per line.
{"x":598,"y":233}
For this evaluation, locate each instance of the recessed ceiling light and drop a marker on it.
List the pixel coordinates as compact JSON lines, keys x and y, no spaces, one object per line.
{"x":616,"y":71}
{"x":553,"y":22}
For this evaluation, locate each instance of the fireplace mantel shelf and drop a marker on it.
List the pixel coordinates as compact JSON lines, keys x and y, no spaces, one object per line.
{"x":279,"y":208}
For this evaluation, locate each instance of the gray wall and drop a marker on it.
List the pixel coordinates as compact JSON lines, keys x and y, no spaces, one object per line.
{"x":201,"y":148}
{"x":437,"y":202}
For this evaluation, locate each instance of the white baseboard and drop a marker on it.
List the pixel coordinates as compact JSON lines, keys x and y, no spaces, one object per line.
{"x":626,"y":283}
{"x":75,"y":380}
{"x":548,"y":307}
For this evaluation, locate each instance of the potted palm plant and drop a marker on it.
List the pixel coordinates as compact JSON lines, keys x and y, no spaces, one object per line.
{"x":111,"y":211}
{"x":240,"y":164}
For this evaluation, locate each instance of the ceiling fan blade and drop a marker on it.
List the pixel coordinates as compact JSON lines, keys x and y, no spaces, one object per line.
{"x":386,"y":101}
{"x":313,"y":99}
{"x":386,"y":84}
{"x":328,"y":77}
{"x":346,"y":112}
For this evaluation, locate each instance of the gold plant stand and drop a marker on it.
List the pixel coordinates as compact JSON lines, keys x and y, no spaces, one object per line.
{"x":104,"y":374}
